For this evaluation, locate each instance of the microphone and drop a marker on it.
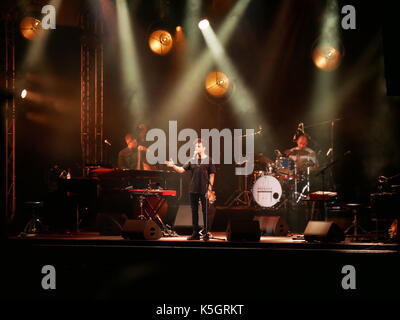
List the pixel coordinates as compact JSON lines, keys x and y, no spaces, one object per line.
{"x":300,"y":127}
{"x":329,"y":152}
{"x":107,"y":142}
{"x":299,"y":131}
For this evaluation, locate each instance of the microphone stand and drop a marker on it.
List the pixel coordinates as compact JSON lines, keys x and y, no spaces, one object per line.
{"x":107,"y":158}
{"x":329,"y":165}
{"x":243,"y":196}
{"x":332,"y":140}
{"x":322,"y":173}
{"x":207,"y":234}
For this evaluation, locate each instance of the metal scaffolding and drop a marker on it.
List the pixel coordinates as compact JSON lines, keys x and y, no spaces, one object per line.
{"x":92,"y":80}
{"x":8,"y":51}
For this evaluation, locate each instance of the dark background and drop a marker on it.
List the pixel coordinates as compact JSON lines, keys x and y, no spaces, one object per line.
{"x":271,"y":49}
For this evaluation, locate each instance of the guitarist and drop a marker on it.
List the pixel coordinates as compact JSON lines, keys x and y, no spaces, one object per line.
{"x":201,"y":185}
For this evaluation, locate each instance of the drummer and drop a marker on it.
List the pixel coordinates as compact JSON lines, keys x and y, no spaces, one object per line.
{"x":302,"y":155}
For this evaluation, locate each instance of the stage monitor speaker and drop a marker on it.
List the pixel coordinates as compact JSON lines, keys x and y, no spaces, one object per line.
{"x":273,"y":226}
{"x":243,"y":230}
{"x":141,"y":230}
{"x":324,"y":231}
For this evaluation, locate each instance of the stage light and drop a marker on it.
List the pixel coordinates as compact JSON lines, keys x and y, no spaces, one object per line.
{"x":160,"y":42}
{"x":327,"y":53}
{"x":326,"y":57}
{"x":203,"y":24}
{"x":198,"y":61}
{"x":180,"y":39}
{"x":24,"y":93}
{"x":30,"y":28}
{"x":244,"y":100}
{"x":217,"y":84}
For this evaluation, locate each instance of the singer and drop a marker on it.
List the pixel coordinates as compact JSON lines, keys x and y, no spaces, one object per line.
{"x":203,"y":174}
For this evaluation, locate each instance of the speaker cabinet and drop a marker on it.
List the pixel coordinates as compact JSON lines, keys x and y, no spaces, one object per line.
{"x":141,"y":230}
{"x":273,"y":226}
{"x":324,"y":231}
{"x":245,"y":230}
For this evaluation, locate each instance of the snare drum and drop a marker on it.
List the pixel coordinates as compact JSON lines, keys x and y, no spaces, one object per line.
{"x":284,"y":166}
{"x":267,"y":191}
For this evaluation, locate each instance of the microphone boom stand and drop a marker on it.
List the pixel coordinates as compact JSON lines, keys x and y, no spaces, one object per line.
{"x":242,"y":196}
{"x":322,"y":173}
{"x":332,"y":140}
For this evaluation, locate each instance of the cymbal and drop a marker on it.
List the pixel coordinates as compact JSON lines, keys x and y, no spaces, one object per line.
{"x":296,"y":152}
{"x":263,"y":159}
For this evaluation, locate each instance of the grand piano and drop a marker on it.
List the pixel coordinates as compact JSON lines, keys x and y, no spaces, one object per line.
{"x":114,"y":178}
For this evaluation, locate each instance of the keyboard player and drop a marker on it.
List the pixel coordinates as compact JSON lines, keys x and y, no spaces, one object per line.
{"x":134,"y":155}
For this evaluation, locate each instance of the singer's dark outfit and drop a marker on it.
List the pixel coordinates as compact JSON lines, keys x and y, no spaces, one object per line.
{"x":201,"y":170}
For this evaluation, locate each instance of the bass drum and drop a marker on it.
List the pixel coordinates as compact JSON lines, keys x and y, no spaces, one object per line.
{"x":267,"y":191}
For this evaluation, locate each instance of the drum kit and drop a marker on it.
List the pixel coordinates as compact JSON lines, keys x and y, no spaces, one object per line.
{"x":275,"y":183}
{"x":285,"y":180}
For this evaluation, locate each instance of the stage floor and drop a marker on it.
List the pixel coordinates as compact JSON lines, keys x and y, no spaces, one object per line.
{"x":217,"y":240}
{"x":175,"y":270}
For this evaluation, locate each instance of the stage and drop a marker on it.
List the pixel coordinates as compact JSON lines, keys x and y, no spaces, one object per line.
{"x":172,"y":269}
{"x":128,"y":125}
{"x":218,"y":240}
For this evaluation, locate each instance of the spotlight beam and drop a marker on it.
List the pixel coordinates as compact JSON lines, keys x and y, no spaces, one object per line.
{"x":232,"y":20}
{"x":192,"y":16}
{"x":189,"y":86}
{"x":36,"y":48}
{"x":243,"y":101}
{"x":130,"y":64}
{"x":324,"y":104}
